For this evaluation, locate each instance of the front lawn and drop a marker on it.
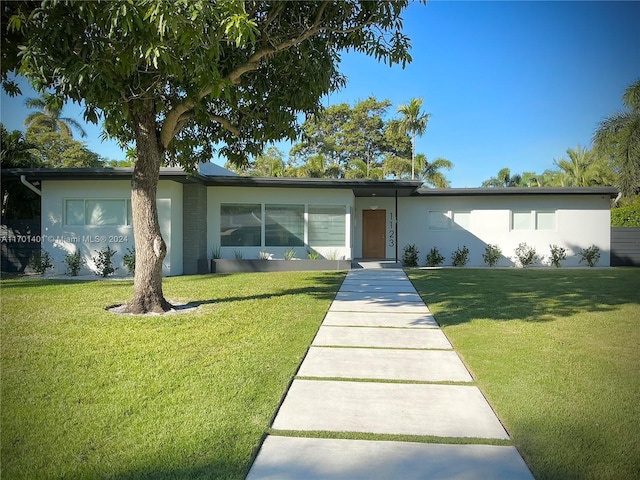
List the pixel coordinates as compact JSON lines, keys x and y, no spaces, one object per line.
{"x":557,"y":353}
{"x":89,"y":394}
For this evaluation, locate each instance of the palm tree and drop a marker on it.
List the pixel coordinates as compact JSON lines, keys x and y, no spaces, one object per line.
{"x":358,"y":168}
{"x":503,"y":179}
{"x":430,"y":171}
{"x":48,"y":117}
{"x":414,"y":123}
{"x":584,"y":168}
{"x":619,"y":137}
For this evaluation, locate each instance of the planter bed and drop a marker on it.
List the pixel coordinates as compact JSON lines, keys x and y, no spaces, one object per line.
{"x":236,"y":266}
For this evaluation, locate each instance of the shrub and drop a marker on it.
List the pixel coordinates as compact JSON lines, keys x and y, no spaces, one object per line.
{"x":216,"y":252}
{"x":332,"y":255}
{"x":590,"y":255}
{"x":129,"y":259}
{"x":491,"y":255}
{"x":40,"y":261}
{"x":74,"y":262}
{"x":460,"y":257}
{"x":434,"y":258}
{"x":104,"y":262}
{"x":264,"y":255}
{"x":410,"y":256}
{"x":238,"y":255}
{"x":313,"y":255}
{"x":290,"y":254}
{"x":558,"y":254}
{"x":627,"y":216}
{"x":526,"y":255}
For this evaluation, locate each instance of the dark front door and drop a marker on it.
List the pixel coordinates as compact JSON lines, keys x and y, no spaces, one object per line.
{"x":373,"y":233}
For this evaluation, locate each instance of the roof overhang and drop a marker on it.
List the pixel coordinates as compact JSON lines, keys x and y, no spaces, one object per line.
{"x":529,"y":191}
{"x":32,"y":174}
{"x":359,"y":187}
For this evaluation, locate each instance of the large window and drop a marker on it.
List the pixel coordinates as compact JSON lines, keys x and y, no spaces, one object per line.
{"x":284,"y":225}
{"x":101,"y":212}
{"x":241,"y":225}
{"x":327,"y":225}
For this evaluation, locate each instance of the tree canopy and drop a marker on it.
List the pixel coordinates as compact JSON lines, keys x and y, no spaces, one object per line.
{"x":181,"y":78}
{"x":359,"y":141}
{"x":618,"y":136}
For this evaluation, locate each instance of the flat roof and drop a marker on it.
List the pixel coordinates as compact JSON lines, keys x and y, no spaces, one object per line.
{"x":489,"y":191}
{"x":360,"y":187}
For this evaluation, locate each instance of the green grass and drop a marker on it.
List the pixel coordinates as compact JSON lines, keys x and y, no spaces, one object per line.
{"x":89,"y":394}
{"x":557,"y":353}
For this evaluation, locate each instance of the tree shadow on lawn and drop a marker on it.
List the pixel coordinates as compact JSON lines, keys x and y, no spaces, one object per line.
{"x":324,"y":287}
{"x":460,"y":296}
{"x":36,"y":282}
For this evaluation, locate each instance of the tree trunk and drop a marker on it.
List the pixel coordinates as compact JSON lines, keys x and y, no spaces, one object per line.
{"x":150,"y":247}
{"x":413,"y":155}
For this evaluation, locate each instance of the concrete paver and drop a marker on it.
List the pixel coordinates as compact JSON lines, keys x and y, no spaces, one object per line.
{"x":380,"y":319}
{"x":389,"y":408}
{"x":381,"y":296}
{"x":379,"y":331}
{"x":387,"y":287}
{"x":392,"y":306}
{"x":410,"y":365}
{"x":381,"y":337}
{"x":287,"y":458}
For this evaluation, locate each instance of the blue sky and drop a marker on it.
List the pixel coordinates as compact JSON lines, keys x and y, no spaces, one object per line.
{"x":508,"y":84}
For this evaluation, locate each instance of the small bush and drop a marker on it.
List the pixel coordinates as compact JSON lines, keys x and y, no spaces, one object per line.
{"x":104,"y":262}
{"x":313,"y":255}
{"x":129,"y":259}
{"x":290,"y":254}
{"x":526,"y":255}
{"x":434,"y":258}
{"x":410,"y":256}
{"x":40,"y":261}
{"x":332,"y":255}
{"x":238,"y":255}
{"x":590,"y":255}
{"x":74,"y":262}
{"x":216,"y":252}
{"x":558,"y":254}
{"x":460,"y":257}
{"x":264,"y":255}
{"x":491,"y":255}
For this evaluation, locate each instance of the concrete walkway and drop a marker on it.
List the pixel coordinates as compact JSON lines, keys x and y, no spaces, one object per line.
{"x":381,"y":365}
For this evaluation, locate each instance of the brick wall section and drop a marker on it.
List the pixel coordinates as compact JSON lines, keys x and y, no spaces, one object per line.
{"x":194,"y":225}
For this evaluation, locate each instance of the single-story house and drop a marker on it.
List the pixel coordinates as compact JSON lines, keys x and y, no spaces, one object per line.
{"x":217,"y":211}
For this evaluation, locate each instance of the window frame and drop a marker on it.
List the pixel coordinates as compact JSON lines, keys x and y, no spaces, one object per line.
{"x":127,"y":213}
{"x":327,"y":243}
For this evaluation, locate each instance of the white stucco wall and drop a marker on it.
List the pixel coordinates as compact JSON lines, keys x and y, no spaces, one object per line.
{"x":59,"y":239}
{"x":292,"y":196}
{"x":581,"y":221}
